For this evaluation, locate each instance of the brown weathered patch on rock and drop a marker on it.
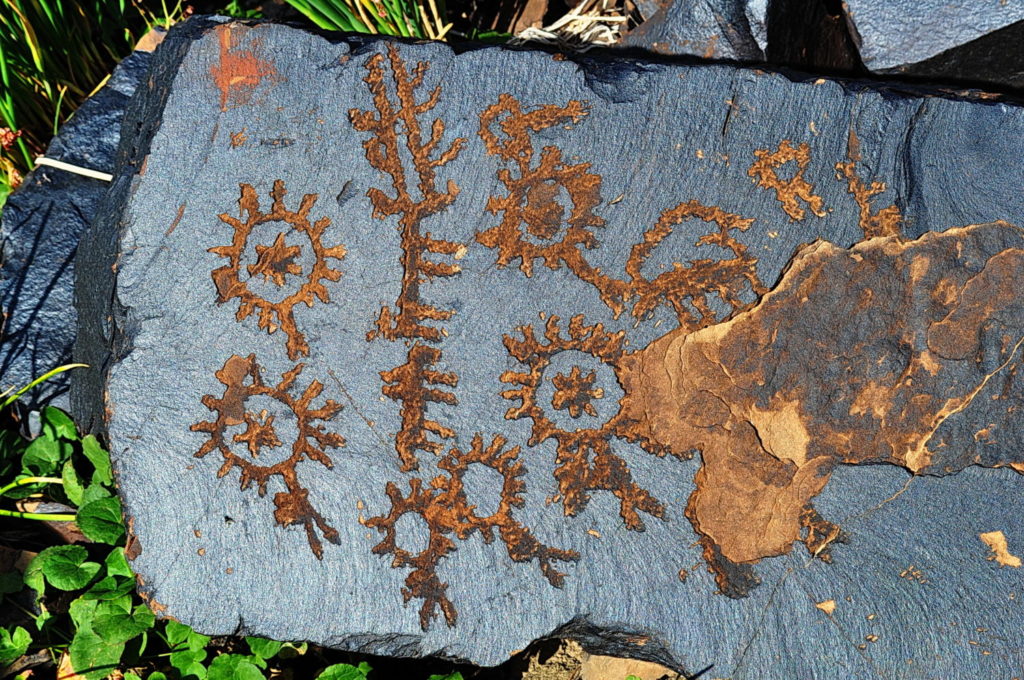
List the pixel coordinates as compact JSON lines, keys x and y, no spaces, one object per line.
{"x":238,"y":72}
{"x":820,"y":374}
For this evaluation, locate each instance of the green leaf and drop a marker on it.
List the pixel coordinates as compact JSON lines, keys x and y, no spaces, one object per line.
{"x":233,"y":667}
{"x":110,"y":588}
{"x":156,"y":675}
{"x":263,"y":648}
{"x":83,"y":612}
{"x":58,"y":425}
{"x":188,"y":662}
{"x":118,"y":622}
{"x":117,"y":565}
{"x":101,"y":521}
{"x":41,"y":457}
{"x":456,"y":676}
{"x":65,"y":567}
{"x":92,"y":656}
{"x":94,"y":492}
{"x":13,"y":645}
{"x":100,"y":460}
{"x":345,"y":671}
{"x":180,"y":635}
{"x":33,"y":576}
{"x":73,"y":486}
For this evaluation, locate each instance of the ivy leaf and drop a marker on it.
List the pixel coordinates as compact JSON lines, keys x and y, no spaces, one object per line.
{"x":233,"y":667}
{"x":64,"y":566}
{"x":58,"y":425}
{"x":101,"y":521}
{"x":189,"y":662}
{"x":116,"y":620}
{"x":263,"y":648}
{"x":458,"y":676}
{"x":178,"y":634}
{"x":92,"y":656}
{"x":100,"y":460}
{"x":13,"y":644}
{"x":94,"y":492}
{"x":41,"y":457}
{"x":73,"y":486}
{"x":345,"y":671}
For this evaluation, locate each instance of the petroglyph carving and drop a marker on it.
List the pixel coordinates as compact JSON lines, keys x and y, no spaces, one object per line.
{"x":699,"y":279}
{"x":243,"y":382}
{"x":552,"y":201}
{"x":275,"y":263}
{"x":386,"y":123}
{"x":584,"y":460}
{"x":446,"y":509}
{"x":789,"y":191}
{"x":885,"y":222}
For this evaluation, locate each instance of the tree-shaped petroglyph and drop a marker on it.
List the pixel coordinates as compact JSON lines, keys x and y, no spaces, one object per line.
{"x":548,"y":211}
{"x":446,"y":510}
{"x":243,"y":382}
{"x":388,"y":123}
{"x":698,"y":280}
{"x":584,"y":459}
{"x":789,"y":191}
{"x":414,"y":384}
{"x":275,"y":263}
{"x":887,"y":221}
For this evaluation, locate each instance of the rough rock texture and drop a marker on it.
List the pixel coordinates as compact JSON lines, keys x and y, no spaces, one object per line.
{"x":42,"y":223}
{"x":943,"y":39}
{"x":722,"y":29}
{"x":411,"y":352}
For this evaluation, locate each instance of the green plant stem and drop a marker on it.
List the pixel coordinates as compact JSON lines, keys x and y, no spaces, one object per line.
{"x":42,"y":516}
{"x":25,"y":481}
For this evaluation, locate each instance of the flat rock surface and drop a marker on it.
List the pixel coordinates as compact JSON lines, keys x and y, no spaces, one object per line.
{"x":42,"y":223}
{"x":411,"y":353}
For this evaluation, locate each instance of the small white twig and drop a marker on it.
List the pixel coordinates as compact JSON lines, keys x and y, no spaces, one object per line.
{"x":75,"y":169}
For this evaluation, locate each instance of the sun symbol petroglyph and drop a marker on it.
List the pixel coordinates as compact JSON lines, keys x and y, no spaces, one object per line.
{"x":584,"y":460}
{"x":275,"y":263}
{"x":576,"y":393}
{"x":446,"y":510}
{"x":698,"y":280}
{"x":789,"y":191}
{"x":243,"y":382}
{"x":548,"y":211}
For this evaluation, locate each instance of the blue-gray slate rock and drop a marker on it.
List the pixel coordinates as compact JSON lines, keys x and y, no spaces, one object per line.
{"x":720,"y":29}
{"x":411,"y":352}
{"x":42,"y":223}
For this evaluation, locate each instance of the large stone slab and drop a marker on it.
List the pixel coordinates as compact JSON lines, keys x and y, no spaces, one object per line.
{"x":42,"y":223}
{"x":411,"y":352}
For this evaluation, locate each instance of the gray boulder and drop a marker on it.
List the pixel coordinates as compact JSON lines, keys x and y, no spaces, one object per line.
{"x":411,"y":352}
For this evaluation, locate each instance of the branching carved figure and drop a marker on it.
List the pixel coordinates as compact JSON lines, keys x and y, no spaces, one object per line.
{"x":885,"y":222}
{"x":789,"y":191}
{"x":446,"y":510}
{"x":548,"y":212}
{"x":242,"y":382}
{"x":699,"y":279}
{"x":387,"y":123}
{"x":584,"y":460}
{"x":275,"y":263}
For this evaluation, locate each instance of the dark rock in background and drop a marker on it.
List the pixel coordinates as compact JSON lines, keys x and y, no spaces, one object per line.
{"x":976,"y":43}
{"x":361,"y":331}
{"x":42,"y":223}
{"x":714,"y":30}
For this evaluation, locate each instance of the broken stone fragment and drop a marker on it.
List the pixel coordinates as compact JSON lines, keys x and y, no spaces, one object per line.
{"x":713,"y":30}
{"x":42,"y":223}
{"x":438,"y":355}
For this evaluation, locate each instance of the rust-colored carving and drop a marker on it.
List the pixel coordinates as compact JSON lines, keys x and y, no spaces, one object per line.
{"x":237,"y":73}
{"x":885,"y":222}
{"x":776,"y":398}
{"x":521,"y":544}
{"x":584,"y":460}
{"x":446,"y":510}
{"x":275,"y":263}
{"x":243,"y":381}
{"x":699,"y":279}
{"x":789,"y":191}
{"x":387,"y":123}
{"x":423,"y":582}
{"x":576,"y":392}
{"x":411,"y":384}
{"x":548,"y":212}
